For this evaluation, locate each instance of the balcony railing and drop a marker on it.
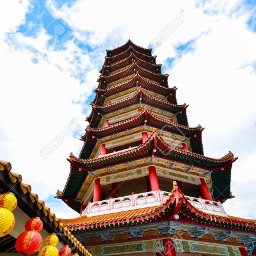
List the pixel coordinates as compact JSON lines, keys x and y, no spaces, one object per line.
{"x":207,"y":206}
{"x":126,"y":203}
{"x":147,"y":199}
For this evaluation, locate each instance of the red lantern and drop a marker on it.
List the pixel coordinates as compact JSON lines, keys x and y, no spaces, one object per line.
{"x":34,"y":224}
{"x":28,"y":242}
{"x":65,"y":251}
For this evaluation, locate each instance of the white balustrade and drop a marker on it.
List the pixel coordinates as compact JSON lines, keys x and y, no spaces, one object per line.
{"x":147,"y":199}
{"x":207,"y":206}
{"x":125,"y":203}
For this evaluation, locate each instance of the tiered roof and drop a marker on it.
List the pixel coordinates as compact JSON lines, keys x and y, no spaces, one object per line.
{"x":138,"y":98}
{"x":176,"y":204}
{"x":144,"y":118}
{"x":155,"y":146}
{"x":32,"y":206}
{"x":128,"y":44}
{"x":137,"y":81}
{"x":133,"y":69}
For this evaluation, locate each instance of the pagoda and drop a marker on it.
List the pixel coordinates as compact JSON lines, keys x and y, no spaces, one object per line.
{"x":142,"y":183}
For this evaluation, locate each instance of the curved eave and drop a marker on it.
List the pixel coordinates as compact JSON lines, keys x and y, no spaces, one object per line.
{"x":133,"y":69}
{"x":194,"y":159}
{"x":137,"y":81}
{"x":155,"y":86}
{"x":125,"y":46}
{"x":140,"y":97}
{"x":118,"y":58}
{"x":156,"y":146}
{"x":190,"y":212}
{"x":107,"y":69}
{"x":151,"y":120}
{"x":31,"y":205}
{"x":143,"y":118}
{"x":176,"y":204}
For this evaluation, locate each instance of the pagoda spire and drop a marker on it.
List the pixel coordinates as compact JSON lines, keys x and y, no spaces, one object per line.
{"x":141,"y":182}
{"x":135,"y":117}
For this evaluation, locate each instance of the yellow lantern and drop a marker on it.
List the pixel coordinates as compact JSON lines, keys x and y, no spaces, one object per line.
{"x":7,"y":221}
{"x":76,"y":254}
{"x":52,"y":239}
{"x":49,"y":250}
{"x":8,"y":201}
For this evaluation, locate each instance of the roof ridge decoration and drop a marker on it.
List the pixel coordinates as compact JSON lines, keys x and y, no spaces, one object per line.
{"x":136,"y":78}
{"x":175,"y":204}
{"x":125,"y":54}
{"x":129,"y":49}
{"x":145,"y":111}
{"x":129,"y":42}
{"x":5,"y":167}
{"x":129,"y":67}
{"x":165,"y":149}
{"x":130,"y":57}
{"x":137,"y":93}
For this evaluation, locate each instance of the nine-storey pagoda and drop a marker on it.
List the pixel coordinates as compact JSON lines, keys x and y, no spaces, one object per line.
{"x":142,"y":183}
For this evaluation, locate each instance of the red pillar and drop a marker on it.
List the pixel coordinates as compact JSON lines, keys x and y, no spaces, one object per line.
{"x":144,"y":137}
{"x":114,"y":187}
{"x":243,"y":251}
{"x":107,"y":123}
{"x":204,"y":190}
{"x":97,"y":190}
{"x":103,"y":150}
{"x":153,"y":178}
{"x":169,"y":248}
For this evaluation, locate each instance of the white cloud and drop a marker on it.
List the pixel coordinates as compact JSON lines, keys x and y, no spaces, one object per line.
{"x":12,"y":14}
{"x":216,"y":79}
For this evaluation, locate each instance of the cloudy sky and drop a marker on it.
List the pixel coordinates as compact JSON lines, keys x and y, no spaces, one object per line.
{"x":51,"y":51}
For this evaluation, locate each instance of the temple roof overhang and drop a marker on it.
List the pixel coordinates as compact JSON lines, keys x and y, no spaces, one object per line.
{"x":125,"y":46}
{"x":125,"y":54}
{"x":137,"y":81}
{"x":156,"y":146}
{"x":146,"y":119}
{"x":140,"y":97}
{"x":32,"y":206}
{"x":115,"y":67}
{"x":133,"y":69}
{"x":176,"y":204}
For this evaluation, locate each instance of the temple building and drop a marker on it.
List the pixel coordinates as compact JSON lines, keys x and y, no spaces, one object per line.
{"x":142,"y":183}
{"x":29,"y":205}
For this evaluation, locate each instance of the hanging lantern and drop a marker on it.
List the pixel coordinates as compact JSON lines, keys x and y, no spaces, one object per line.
{"x":28,"y":242}
{"x":75,"y":254}
{"x":52,"y":239}
{"x":65,"y":251}
{"x":8,"y":201}
{"x":7,"y":221}
{"x":49,"y":250}
{"x":34,"y":224}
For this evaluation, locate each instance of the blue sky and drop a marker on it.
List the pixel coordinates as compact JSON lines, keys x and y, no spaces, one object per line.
{"x":52,"y":51}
